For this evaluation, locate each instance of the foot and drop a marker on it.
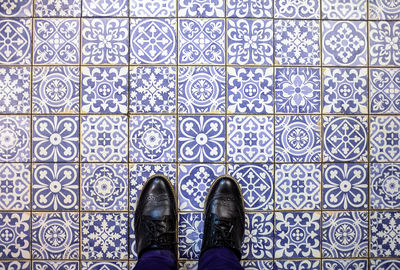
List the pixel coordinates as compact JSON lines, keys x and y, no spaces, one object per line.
{"x":155,"y":217}
{"x":224,"y":216}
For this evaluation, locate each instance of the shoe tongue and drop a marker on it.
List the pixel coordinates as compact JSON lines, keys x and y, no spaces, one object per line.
{"x":223,"y":208}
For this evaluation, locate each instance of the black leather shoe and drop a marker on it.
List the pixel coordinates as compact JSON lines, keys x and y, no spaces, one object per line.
{"x":155,"y":216}
{"x":224,"y":216}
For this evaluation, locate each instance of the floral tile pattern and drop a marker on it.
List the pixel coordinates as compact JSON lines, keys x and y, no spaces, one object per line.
{"x":258,"y":243}
{"x":383,"y":43}
{"x":98,"y":8}
{"x":15,"y":41}
{"x":297,"y":265}
{"x":345,"y":264}
{"x":384,"y":10}
{"x":190,"y":233}
{"x":384,"y":264}
{"x":294,"y":9}
{"x":385,"y":230}
{"x":106,"y":265}
{"x":249,"y":8}
{"x":385,"y":90}
{"x":385,"y":138}
{"x":385,"y":185}
{"x":55,"y":265}
{"x":58,"y":8}
{"x":16,"y":8}
{"x":344,"y":10}
{"x":201,"y":8}
{"x":152,"y":8}
{"x":22,"y":265}
{"x":15,"y":89}
{"x":15,"y":236}
{"x":14,"y":186}
{"x":15,"y":144}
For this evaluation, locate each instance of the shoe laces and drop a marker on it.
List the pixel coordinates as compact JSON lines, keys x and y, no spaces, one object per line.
{"x":223,"y":233}
{"x":158,"y":233}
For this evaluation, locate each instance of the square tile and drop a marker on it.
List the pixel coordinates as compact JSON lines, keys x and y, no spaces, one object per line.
{"x":15,"y":181}
{"x":105,"y":41}
{"x":15,"y":134}
{"x":384,"y":136}
{"x":153,"y":41}
{"x":250,"y":90}
{"x":345,"y":90}
{"x":104,"y":236}
{"x":55,"y":89}
{"x":15,"y":89}
{"x":249,"y":8}
{"x":152,"y":89}
{"x":345,"y":138}
{"x":384,"y":49}
{"x":344,"y":43}
{"x":15,"y":8}
{"x":201,"y":41}
{"x":385,"y":186}
{"x":104,"y":90}
{"x":104,"y":138}
{"x":345,"y":264}
{"x":297,"y":186}
{"x":15,"y":41}
{"x":250,"y":41}
{"x":15,"y":236}
{"x":104,"y":265}
{"x":152,"y":138}
{"x":384,"y":10}
{"x":344,"y":10}
{"x":385,"y":228}
{"x":55,"y":265}
{"x":55,"y":186}
{"x":381,"y":264}
{"x":298,"y":90}
{"x":201,"y":139}
{"x":55,"y":235}
{"x":104,"y":186}
{"x":258,"y":236}
{"x":105,"y":8}
{"x":152,"y":8}
{"x":201,"y":89}
{"x":55,"y":138}
{"x":250,"y":139}
{"x":297,"y":42}
{"x":297,"y":9}
{"x":297,"y":138}
{"x":345,"y":186}
{"x":58,"y":8}
{"x":297,"y":265}
{"x":385,"y":90}
{"x":14,"y":264}
{"x":257,"y":264}
{"x":190,"y":234}
{"x":201,"y":8}
{"x":56,"y":41}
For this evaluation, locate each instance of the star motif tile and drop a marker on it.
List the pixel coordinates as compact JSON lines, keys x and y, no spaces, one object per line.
{"x":15,"y":89}
{"x":385,"y":90}
{"x":385,"y":229}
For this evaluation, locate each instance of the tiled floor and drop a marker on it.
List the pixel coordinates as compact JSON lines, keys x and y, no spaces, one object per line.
{"x":299,"y":100}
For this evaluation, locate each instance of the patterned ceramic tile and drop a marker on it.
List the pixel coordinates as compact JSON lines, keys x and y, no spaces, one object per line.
{"x":14,"y":186}
{"x":250,"y":90}
{"x":55,"y":89}
{"x":152,"y":90}
{"x":345,"y":186}
{"x":55,"y":235}
{"x":385,"y":133}
{"x":258,"y":236}
{"x":249,"y":8}
{"x":55,"y":138}
{"x":190,"y":233}
{"x":297,"y":234}
{"x":55,"y":186}
{"x":15,"y":236}
{"x":345,"y":90}
{"x":105,"y":8}
{"x":379,"y":264}
{"x":385,"y":231}
{"x":152,"y":138}
{"x":106,"y":265}
{"x":384,"y":41}
{"x":385,"y":186}
{"x":56,"y":41}
{"x":55,"y":265}
{"x":345,"y":138}
{"x":297,"y":186}
{"x":344,"y":10}
{"x":384,"y":10}
{"x":15,"y":138}
{"x":297,"y":265}
{"x":105,"y":41}
{"x":201,"y":8}
{"x":293,"y":134}
{"x":104,"y":90}
{"x":104,"y":138}
{"x":15,"y":89}
{"x":298,"y":90}
{"x":14,"y":264}
{"x":152,"y":8}
{"x":58,"y":8}
{"x":104,"y":186}
{"x":297,"y":9}
{"x":15,"y":8}
{"x":345,"y":264}
{"x":15,"y":41}
{"x":297,"y":42}
{"x":385,"y":90}
{"x":201,"y":138}
{"x":257,"y":264}
{"x":188,"y":265}
{"x":104,"y":236}
{"x":153,"y":41}
{"x":201,"y":41}
{"x":132,"y":237}
{"x":250,"y":139}
{"x":250,"y":41}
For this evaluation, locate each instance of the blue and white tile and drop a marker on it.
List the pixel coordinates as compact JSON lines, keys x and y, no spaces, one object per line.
{"x":385,"y":231}
{"x":201,"y":41}
{"x":55,"y":235}
{"x":152,"y":89}
{"x":385,"y":90}
{"x":297,"y":9}
{"x":297,"y":186}
{"x":55,"y":186}
{"x":257,"y":264}
{"x":297,"y":138}
{"x":385,"y":185}
{"x":384,"y":49}
{"x":15,"y":41}
{"x":297,"y":235}
{"x":132,"y":265}
{"x":104,"y":236}
{"x":55,"y":265}
{"x":250,"y":42}
{"x":345,"y":186}
{"x":56,"y":41}
{"x":385,"y":136}
{"x":104,"y":90}
{"x":15,"y":181}
{"x":15,"y":133}
{"x":194,"y":181}
{"x":105,"y":8}
{"x":201,"y":139}
{"x":345,"y":90}
{"x":249,"y":8}
{"x":15,"y":8}
{"x":104,"y":186}
{"x":345,"y":138}
{"x":381,"y":264}
{"x":297,"y":265}
{"x":103,"y":265}
{"x":58,"y":8}
{"x":345,"y":264}
{"x":344,"y":10}
{"x":152,"y":8}
{"x":201,"y":8}
{"x":384,"y":10}
{"x":104,"y":138}
{"x":132,"y":238}
{"x":190,"y":234}
{"x":15,"y":264}
{"x":345,"y":43}
{"x":55,"y":89}
{"x":258,"y":236}
{"x":152,"y":138}
{"x":15,"y":236}
{"x":153,"y":41}
{"x":250,"y":90}
{"x":105,"y":41}
{"x":297,"y":42}
{"x":250,"y":139}
{"x":55,"y":138}
{"x":15,"y":89}
{"x":298,"y":90}
{"x":201,"y":89}
{"x":188,"y":265}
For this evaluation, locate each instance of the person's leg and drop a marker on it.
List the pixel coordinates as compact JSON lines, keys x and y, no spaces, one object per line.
{"x":219,"y":259}
{"x":157,"y":259}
